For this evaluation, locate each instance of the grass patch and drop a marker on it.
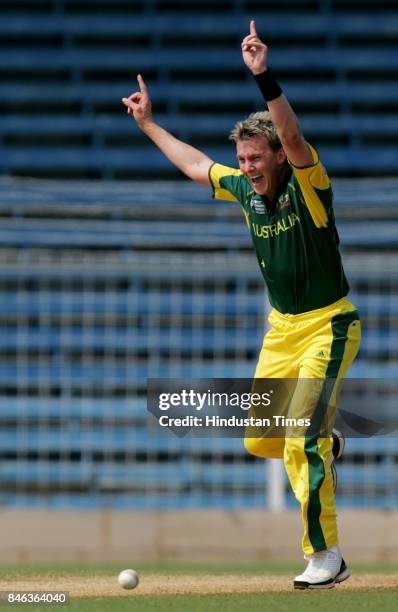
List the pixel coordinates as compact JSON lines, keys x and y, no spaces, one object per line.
{"x":178,"y":568}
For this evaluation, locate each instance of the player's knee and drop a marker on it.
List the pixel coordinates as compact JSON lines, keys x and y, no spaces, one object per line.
{"x":266,"y":448}
{"x":252,"y":446}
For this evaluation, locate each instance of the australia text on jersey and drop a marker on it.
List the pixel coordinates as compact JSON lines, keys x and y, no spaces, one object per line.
{"x":283,"y":225}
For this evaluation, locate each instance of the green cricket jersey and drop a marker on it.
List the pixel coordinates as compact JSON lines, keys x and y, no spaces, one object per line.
{"x":295,"y":237}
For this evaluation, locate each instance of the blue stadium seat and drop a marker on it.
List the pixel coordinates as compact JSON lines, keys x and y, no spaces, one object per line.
{"x":301,"y":25}
{"x":128,"y":303}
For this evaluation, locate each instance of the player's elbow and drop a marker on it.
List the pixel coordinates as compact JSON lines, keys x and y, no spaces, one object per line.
{"x":199,"y":172}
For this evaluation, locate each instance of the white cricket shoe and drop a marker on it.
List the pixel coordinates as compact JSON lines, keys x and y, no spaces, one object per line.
{"x":324,"y":570}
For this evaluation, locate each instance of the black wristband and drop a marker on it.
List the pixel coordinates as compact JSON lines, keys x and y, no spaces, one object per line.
{"x":268,"y":85}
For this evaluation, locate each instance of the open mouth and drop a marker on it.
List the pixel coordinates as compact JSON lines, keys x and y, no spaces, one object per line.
{"x":256,"y":179}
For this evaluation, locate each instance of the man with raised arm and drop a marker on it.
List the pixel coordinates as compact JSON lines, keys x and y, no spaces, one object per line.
{"x":286,"y":198}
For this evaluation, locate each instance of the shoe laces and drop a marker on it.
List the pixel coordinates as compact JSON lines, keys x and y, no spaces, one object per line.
{"x":325,"y":560}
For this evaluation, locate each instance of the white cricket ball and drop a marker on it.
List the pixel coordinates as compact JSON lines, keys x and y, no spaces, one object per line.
{"x":128,"y":579}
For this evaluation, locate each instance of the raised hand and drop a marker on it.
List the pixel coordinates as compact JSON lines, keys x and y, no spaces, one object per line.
{"x":139,"y":103}
{"x":254,"y":51}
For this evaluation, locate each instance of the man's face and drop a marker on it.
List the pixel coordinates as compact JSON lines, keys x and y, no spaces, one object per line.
{"x":259,"y":163}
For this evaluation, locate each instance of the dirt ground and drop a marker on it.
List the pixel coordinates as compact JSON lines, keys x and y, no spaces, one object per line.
{"x":150,"y":584}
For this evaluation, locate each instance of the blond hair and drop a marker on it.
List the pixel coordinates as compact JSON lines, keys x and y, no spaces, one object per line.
{"x":257,"y":124}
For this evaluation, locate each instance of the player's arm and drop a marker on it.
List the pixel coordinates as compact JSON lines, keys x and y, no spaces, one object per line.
{"x":255,"y":54}
{"x":189,"y":160}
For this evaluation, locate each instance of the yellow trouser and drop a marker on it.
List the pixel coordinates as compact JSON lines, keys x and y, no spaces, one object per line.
{"x":320,"y":344}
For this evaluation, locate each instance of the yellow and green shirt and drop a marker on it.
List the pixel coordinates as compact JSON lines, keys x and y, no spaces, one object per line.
{"x":294,"y":236}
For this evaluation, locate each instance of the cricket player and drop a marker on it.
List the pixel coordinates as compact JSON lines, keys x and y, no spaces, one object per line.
{"x":286,"y":197}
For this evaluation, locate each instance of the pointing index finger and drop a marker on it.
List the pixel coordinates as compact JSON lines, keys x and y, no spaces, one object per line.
{"x":141,"y":83}
{"x":253,"y":31}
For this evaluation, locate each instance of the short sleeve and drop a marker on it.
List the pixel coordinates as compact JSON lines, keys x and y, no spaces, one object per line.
{"x":227,"y":182}
{"x":316,"y":189}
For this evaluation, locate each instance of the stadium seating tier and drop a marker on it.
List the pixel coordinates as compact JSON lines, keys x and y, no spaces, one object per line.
{"x":68,"y":64}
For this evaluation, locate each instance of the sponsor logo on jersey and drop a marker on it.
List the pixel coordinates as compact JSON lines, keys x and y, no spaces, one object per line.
{"x":258,"y":206}
{"x":270,"y":231}
{"x":283,"y":202}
